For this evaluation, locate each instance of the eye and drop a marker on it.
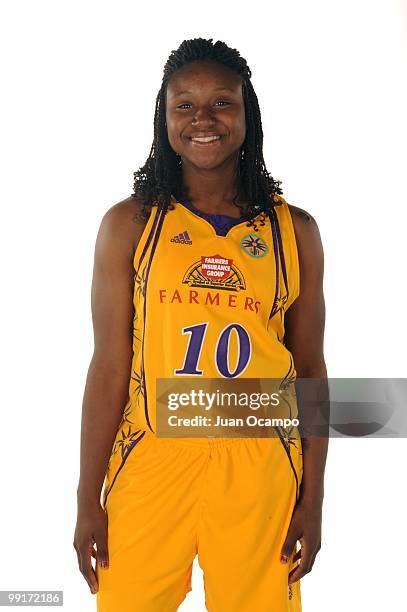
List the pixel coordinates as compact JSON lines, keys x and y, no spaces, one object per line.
{"x":188,"y":104}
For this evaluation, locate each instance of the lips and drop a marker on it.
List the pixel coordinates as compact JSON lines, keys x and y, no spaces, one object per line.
{"x":205,"y":140}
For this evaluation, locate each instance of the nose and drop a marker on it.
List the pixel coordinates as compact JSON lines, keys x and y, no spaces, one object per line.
{"x":203,"y":115}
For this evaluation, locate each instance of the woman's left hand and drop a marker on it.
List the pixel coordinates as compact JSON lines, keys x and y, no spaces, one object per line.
{"x":305,"y":526}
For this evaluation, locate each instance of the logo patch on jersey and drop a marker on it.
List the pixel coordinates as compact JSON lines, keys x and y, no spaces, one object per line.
{"x":182,"y":238}
{"x":216,"y":267}
{"x":254,"y":245}
{"x":215,"y":271}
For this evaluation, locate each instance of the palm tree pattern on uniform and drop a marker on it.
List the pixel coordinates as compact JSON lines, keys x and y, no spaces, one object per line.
{"x":140,"y":283}
{"x":137,"y":377}
{"x":127,"y":440}
{"x":136,"y":329}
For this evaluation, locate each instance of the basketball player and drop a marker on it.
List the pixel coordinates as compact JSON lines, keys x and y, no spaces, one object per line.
{"x":147,"y":505}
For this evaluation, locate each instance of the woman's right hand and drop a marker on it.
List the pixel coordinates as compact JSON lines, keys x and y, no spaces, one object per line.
{"x":91,"y":529}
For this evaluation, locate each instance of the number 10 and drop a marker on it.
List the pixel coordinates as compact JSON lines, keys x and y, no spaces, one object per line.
{"x":197,"y":334}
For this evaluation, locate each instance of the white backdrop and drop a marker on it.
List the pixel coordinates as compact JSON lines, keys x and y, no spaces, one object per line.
{"x":79,"y":81}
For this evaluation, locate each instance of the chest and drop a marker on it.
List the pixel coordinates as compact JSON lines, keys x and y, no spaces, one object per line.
{"x":192,"y":264}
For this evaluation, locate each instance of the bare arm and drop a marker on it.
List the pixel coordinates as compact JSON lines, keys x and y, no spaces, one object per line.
{"x":304,"y":337}
{"x":106,"y":390}
{"x":305,"y":324}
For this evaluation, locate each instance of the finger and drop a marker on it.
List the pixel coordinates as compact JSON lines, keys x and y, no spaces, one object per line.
{"x":102,"y":554}
{"x":289,"y":544}
{"x":304,"y":566}
{"x":85,"y":566}
{"x":314,"y":556}
{"x":297,"y":556}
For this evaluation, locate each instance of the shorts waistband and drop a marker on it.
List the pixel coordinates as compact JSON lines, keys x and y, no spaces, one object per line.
{"x":201,"y":442}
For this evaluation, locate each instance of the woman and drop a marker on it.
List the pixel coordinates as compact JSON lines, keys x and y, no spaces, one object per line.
{"x":198,"y":274}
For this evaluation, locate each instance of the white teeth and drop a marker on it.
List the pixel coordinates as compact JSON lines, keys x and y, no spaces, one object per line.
{"x":205,"y":138}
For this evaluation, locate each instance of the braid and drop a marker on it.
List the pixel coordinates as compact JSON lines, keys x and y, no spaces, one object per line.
{"x":161,"y":176}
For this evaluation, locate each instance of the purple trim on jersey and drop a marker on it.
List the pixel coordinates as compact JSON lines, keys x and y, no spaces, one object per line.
{"x":221,"y":223}
{"x":279,"y":255}
{"x":287,"y":377}
{"x":162,"y":211}
{"x":130,"y":448}
{"x":280,"y":244}
{"x":276,"y":257}
{"x":147,"y":243}
{"x":286,"y":447}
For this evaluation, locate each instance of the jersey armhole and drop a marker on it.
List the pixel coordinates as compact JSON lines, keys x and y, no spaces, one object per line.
{"x":145,"y":235}
{"x":294,"y":258}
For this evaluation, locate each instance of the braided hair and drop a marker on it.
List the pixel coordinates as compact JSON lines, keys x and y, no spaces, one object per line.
{"x":161,"y":176}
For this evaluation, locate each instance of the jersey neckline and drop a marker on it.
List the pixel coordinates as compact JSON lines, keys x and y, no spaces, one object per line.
{"x":209,"y":223}
{"x":193,"y":208}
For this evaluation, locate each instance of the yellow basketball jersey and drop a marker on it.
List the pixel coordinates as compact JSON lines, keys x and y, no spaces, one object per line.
{"x":209,"y":305}
{"x":206,"y":306}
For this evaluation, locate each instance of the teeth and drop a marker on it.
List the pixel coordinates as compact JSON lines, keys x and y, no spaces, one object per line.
{"x":205,"y":138}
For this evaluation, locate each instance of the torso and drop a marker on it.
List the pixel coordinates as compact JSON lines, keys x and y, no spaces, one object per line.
{"x":194,"y":291}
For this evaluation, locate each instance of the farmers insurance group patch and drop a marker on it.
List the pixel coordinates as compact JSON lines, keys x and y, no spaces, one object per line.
{"x":215,"y":271}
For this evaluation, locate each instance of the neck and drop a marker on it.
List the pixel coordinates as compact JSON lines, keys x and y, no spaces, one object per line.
{"x":213,"y":190}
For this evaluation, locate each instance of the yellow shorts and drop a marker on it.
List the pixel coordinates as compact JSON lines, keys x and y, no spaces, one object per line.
{"x":228,"y":500}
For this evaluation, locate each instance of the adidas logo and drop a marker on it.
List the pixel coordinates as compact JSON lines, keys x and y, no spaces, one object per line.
{"x":182,"y":238}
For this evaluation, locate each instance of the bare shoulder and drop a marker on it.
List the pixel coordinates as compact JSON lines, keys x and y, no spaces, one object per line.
{"x":302,"y":219}
{"x":309,"y":246}
{"x":123,"y":223}
{"x":126,"y":212}
{"x":306,"y":229}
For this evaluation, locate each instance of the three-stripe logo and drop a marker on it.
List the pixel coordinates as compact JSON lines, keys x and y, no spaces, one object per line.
{"x":182,"y":238}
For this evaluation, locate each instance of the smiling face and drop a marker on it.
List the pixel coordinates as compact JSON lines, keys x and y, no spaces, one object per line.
{"x":205,"y":114}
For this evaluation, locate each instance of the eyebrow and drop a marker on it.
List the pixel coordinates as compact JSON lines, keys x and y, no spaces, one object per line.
{"x":180,"y":93}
